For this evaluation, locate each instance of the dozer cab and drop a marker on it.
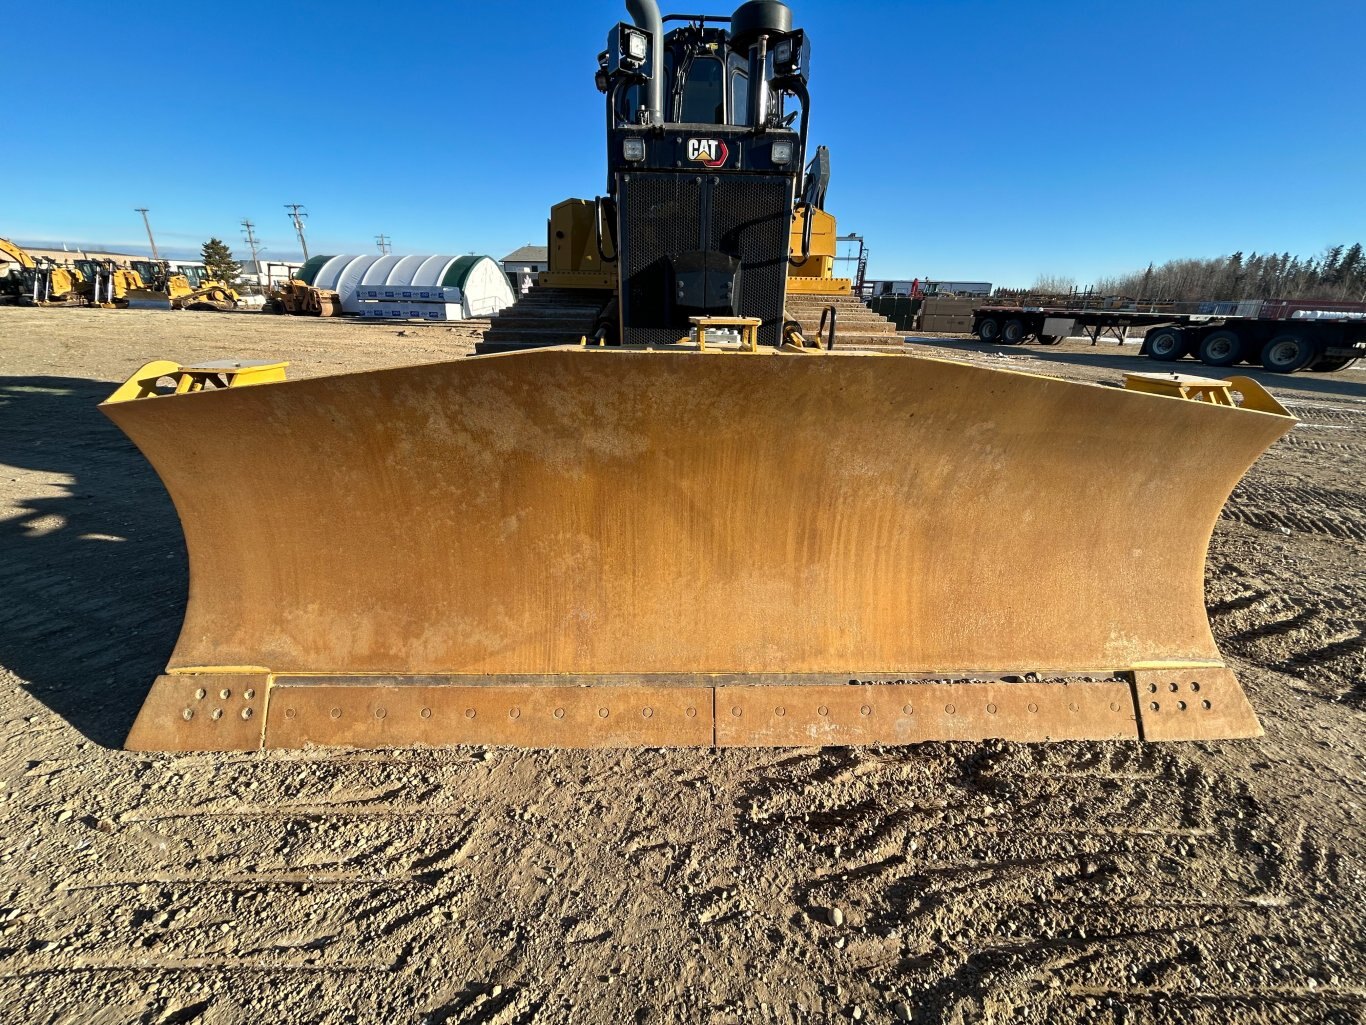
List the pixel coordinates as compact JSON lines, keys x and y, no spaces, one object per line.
{"x":696,"y":528}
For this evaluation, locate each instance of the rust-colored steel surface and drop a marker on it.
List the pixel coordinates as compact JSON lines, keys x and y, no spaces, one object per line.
{"x":577,"y":521}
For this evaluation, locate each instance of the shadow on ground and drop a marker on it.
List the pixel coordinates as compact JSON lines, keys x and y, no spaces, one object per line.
{"x":92,"y":562}
{"x":1129,"y":361}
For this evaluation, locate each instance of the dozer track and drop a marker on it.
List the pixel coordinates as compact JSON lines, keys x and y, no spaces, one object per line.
{"x":545,"y":317}
{"x":614,"y":547}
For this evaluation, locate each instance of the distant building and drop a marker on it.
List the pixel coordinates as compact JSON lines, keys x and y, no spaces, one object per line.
{"x":926,"y":286}
{"x":522,"y":265}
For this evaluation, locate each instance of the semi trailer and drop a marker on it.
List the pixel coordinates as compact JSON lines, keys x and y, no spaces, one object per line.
{"x":1282,"y":335}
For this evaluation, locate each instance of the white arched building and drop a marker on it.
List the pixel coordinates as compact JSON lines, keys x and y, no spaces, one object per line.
{"x":429,"y":287}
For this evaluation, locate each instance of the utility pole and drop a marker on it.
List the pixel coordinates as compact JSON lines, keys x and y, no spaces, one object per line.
{"x":148,"y":225}
{"x":298,"y":219}
{"x":386,"y":244}
{"x":248,"y":230}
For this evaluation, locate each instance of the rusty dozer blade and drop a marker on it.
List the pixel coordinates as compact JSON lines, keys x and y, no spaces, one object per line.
{"x":616,"y":547}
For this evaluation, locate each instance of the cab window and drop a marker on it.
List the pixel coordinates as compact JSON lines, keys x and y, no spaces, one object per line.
{"x":739,"y":98}
{"x":704,"y":92}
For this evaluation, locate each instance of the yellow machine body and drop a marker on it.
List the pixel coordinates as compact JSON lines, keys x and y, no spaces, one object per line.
{"x":602,"y":546}
{"x":815,"y":274}
{"x":573,"y":239}
{"x":180,"y":293}
{"x":11,"y":252}
{"x":300,"y":299}
{"x":572,"y":242}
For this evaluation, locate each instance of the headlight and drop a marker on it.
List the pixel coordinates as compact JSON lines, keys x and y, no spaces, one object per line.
{"x":789,"y":55}
{"x":781,"y":152}
{"x":636,"y":46}
{"x":633,"y":149}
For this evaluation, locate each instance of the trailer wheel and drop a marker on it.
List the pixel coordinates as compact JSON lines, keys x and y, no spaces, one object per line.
{"x":1013,"y":333}
{"x":1332,"y":364}
{"x":1221,"y":349}
{"x":1166,"y":344}
{"x":1287,"y":353}
{"x":988,"y":330}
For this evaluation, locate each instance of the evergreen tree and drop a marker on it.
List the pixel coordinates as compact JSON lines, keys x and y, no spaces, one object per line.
{"x":1352,"y":267}
{"x":218,"y":262}
{"x":1331,"y":260}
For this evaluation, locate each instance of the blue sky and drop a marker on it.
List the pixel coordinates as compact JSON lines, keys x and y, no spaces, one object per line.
{"x":970,"y":139}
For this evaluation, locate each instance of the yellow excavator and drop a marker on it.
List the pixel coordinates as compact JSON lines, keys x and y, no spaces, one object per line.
{"x":16,"y":283}
{"x":703,"y":525}
{"x":37,"y":280}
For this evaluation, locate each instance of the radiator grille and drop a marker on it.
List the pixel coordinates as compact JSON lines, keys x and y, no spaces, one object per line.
{"x":661,"y":216}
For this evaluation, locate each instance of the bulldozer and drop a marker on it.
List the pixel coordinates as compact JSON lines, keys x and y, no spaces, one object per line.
{"x":108,"y":285}
{"x":300,"y":299}
{"x":191,"y":289}
{"x":702,"y":525}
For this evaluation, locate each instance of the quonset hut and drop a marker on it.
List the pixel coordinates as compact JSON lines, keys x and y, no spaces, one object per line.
{"x":429,"y":287}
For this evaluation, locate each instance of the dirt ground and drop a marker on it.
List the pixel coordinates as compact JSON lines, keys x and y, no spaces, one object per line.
{"x":1098,"y":883}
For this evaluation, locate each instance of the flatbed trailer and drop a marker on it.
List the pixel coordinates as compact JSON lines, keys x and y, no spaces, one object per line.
{"x":1281,"y":335}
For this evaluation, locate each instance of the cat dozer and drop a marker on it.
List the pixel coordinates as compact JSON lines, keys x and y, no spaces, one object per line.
{"x":760,"y":541}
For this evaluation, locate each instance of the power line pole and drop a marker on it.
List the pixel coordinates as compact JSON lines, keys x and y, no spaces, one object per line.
{"x":148,"y":225}
{"x":248,"y":230}
{"x":298,"y":219}
{"x":386,"y":244}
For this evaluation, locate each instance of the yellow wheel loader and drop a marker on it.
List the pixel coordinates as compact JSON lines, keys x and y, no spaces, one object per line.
{"x":698,"y":527}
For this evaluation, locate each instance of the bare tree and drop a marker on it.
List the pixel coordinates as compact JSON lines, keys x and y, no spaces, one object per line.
{"x":1053,"y":284}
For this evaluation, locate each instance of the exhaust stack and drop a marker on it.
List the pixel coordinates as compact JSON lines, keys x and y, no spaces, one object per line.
{"x":645,"y":15}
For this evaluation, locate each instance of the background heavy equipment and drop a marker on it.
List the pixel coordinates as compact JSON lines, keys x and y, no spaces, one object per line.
{"x":108,"y":285}
{"x":192,"y":289}
{"x":36,"y":280}
{"x":301,"y":299}
{"x":676,"y":540}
